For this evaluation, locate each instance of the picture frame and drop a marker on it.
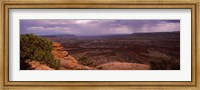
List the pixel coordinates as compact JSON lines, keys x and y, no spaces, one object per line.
{"x":7,"y":5}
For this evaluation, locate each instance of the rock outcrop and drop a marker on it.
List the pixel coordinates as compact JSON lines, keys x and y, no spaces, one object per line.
{"x":123,"y":66}
{"x":57,"y":46}
{"x":67,"y":62}
{"x":35,"y":65}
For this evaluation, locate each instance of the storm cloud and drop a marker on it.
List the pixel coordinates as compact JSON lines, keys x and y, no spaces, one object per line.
{"x":96,"y":27}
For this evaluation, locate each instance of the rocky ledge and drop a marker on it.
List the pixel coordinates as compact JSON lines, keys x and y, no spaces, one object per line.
{"x":67,"y":62}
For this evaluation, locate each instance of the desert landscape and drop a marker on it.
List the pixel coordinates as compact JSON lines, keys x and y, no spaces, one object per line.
{"x":121,"y":51}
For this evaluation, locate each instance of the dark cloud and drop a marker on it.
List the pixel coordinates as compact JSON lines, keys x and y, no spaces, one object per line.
{"x":172,"y":21}
{"x":96,"y":27}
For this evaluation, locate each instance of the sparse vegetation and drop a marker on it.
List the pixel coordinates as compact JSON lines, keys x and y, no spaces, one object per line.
{"x":165,"y":63}
{"x":33,"y":47}
{"x":83,"y":60}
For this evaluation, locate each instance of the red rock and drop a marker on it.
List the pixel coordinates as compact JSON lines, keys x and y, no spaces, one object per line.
{"x":35,"y":65}
{"x":70,"y":58}
{"x":68,"y":64}
{"x":55,"y":44}
{"x":62,"y":68}
{"x":123,"y":66}
{"x":58,"y":48}
{"x":59,"y":54}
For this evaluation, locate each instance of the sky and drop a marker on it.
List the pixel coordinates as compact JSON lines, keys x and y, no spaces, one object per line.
{"x":96,"y":27}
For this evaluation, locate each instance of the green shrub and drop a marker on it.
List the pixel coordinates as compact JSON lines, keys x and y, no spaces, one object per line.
{"x":165,"y":63}
{"x":84,"y":60}
{"x":37,"y":48}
